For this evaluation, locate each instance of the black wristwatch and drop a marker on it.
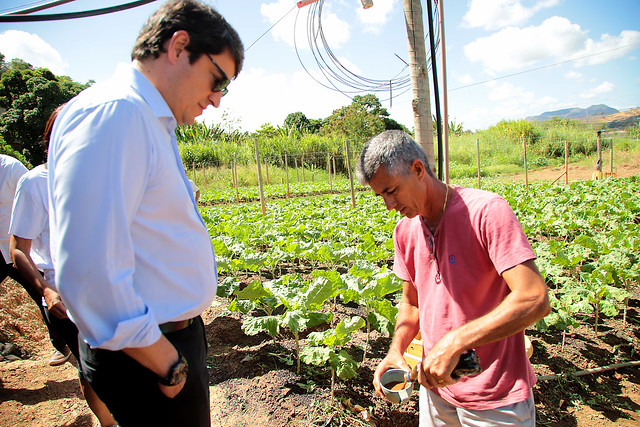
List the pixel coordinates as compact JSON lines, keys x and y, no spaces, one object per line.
{"x":177,"y":373}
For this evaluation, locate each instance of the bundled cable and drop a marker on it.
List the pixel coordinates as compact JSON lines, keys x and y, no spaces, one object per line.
{"x":337,"y":76}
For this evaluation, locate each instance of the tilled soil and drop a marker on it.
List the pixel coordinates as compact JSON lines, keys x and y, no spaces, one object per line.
{"x":253,"y":382}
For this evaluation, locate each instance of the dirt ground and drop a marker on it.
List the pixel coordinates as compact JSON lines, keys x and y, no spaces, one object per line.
{"x":253,"y":383}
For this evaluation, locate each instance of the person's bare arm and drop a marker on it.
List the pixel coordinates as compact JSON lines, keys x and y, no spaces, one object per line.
{"x":407,"y":326}
{"x":20,"y":250}
{"x":527,"y":303}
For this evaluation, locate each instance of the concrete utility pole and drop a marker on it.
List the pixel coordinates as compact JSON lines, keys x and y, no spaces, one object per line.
{"x":419,"y":78}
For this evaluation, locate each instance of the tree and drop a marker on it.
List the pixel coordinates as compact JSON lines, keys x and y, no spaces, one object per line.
{"x":3,"y":65}
{"x":297,"y":121}
{"x":29,"y":95}
{"x":360,"y":120}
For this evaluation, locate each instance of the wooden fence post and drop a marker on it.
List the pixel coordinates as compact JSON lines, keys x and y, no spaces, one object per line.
{"x":286,"y":172}
{"x":353,"y":195}
{"x":262,"y":205}
{"x":334,"y":167}
{"x":526,"y":167}
{"x":478,"y":157}
{"x":611,"y":158}
{"x":329,"y":171}
{"x":235,"y":179}
{"x":204,"y":175}
{"x":566,"y":162}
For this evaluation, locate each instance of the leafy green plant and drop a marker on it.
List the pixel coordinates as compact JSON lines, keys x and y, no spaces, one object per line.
{"x":327,"y":347}
{"x":368,"y":286}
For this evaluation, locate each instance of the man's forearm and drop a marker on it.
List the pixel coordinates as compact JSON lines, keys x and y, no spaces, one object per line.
{"x":28,"y":270}
{"x":158,"y":357}
{"x":527,"y":303}
{"x":407,"y":326}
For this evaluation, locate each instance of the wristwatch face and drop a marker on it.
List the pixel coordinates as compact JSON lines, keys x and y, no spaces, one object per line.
{"x":177,"y":374}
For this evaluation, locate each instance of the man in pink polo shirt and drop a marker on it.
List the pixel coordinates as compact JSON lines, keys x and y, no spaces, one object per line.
{"x":470,"y":282}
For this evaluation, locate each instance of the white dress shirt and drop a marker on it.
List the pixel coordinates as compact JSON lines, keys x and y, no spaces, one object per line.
{"x":10,"y":172}
{"x":30,"y":218}
{"x":130,"y":249}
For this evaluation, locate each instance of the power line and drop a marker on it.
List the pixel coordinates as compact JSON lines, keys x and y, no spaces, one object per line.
{"x":72,"y":15}
{"x":337,"y":76}
{"x":542,"y":67}
{"x":37,"y":7}
{"x":271,"y":28}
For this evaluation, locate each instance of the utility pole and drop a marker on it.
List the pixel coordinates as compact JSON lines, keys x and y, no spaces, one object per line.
{"x":445,"y":114}
{"x":421,"y":102}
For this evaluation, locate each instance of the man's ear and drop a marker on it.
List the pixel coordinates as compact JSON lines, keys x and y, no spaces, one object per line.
{"x":418,"y":168}
{"x":177,"y":45}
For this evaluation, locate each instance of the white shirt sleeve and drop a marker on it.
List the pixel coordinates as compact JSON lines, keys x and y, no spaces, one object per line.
{"x":103,"y":155}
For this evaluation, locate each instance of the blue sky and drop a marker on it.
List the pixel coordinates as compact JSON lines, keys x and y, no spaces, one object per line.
{"x":505,"y":59}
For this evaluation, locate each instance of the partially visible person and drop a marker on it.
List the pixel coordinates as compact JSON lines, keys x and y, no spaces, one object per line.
{"x":133,"y":259}
{"x":470,"y":282}
{"x":29,"y":247}
{"x":195,"y":189}
{"x":11,"y":170}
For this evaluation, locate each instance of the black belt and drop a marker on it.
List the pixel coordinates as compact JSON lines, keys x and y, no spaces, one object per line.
{"x":168,"y":327}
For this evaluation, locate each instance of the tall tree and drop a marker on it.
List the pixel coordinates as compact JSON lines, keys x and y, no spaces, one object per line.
{"x":361,"y":120}
{"x":29,"y":95}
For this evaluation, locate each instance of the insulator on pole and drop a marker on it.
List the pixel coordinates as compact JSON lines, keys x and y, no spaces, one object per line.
{"x":303,"y":3}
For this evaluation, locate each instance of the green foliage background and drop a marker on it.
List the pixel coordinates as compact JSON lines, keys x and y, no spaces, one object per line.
{"x":28,"y":96}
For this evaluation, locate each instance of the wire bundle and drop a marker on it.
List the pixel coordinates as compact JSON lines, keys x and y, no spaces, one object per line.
{"x":338,"y":76}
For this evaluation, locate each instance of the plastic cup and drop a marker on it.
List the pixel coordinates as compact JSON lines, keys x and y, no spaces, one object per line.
{"x":391,"y":378}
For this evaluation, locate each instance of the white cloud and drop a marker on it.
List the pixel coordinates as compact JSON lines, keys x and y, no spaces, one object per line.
{"x":572,"y":75}
{"x":604,"y":87}
{"x":556,"y":39}
{"x":515,"y":48}
{"x":375,"y":17}
{"x":465,"y":79}
{"x":510,"y":96}
{"x":274,"y":96}
{"x":546,"y":103}
{"x":336,"y":31}
{"x":608,"y":48}
{"x":32,"y":49}
{"x":494,"y":14}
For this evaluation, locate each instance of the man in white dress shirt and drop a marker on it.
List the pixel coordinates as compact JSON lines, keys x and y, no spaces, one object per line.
{"x":133,"y":258}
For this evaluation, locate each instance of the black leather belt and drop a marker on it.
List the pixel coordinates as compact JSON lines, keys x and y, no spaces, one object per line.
{"x":168,"y":327}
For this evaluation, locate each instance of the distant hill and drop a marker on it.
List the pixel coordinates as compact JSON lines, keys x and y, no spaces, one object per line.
{"x":575,"y":113}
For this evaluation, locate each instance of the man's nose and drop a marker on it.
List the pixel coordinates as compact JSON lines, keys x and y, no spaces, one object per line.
{"x":215,"y":98}
{"x":389,"y":202}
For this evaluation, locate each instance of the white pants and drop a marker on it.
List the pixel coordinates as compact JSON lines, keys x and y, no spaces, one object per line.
{"x":435,"y":411}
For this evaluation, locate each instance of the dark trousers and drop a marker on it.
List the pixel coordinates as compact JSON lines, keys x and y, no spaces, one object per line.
{"x":131,"y":391}
{"x":57,"y":340}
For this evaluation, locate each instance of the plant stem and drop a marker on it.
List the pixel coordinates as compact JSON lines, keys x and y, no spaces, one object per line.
{"x":297,"y":337}
{"x":366,"y":343}
{"x":591,"y":371}
{"x":333,"y":383}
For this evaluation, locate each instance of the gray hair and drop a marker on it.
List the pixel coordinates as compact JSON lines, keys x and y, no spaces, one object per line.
{"x":393,"y":149}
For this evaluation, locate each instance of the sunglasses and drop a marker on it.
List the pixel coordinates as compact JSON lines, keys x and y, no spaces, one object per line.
{"x":220,"y":85}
